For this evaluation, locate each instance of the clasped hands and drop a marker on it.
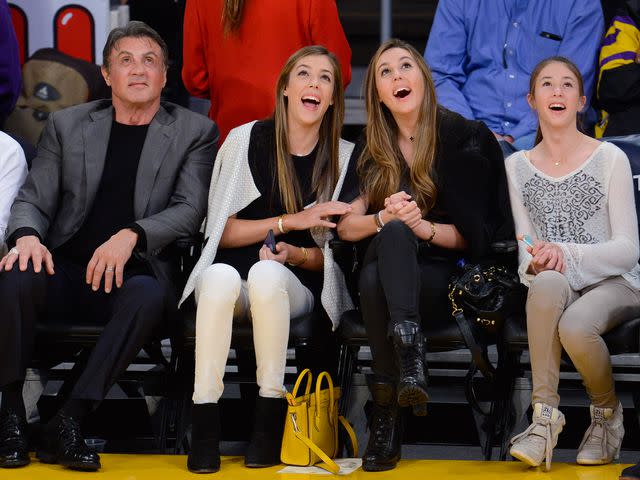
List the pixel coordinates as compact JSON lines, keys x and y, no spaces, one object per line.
{"x":546,"y":256}
{"x":108,"y":260}
{"x":399,"y":206}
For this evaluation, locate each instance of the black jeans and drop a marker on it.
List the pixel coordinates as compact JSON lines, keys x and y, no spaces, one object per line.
{"x":400,"y":282}
{"x":130,"y":315}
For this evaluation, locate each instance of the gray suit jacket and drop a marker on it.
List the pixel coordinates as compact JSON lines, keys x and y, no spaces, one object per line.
{"x":170,"y":198}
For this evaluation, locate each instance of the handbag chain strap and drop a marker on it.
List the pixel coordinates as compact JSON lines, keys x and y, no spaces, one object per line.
{"x":455,"y":309}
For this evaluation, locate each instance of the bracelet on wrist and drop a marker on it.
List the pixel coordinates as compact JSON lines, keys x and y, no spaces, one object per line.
{"x":281,"y":227}
{"x":305,"y":257}
{"x":378,"y":219}
{"x":433,"y":232}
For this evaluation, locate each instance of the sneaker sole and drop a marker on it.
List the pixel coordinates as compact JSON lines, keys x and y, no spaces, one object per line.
{"x":593,"y":462}
{"x":524,"y":458}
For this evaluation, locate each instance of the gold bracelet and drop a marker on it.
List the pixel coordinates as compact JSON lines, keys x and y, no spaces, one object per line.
{"x":433,"y":232}
{"x":281,"y":224}
{"x":305,"y":257}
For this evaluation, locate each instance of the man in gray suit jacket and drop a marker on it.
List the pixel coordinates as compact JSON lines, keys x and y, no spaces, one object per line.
{"x":114,"y":184}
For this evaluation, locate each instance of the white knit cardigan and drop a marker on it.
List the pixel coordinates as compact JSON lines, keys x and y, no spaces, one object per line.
{"x":232,"y":189}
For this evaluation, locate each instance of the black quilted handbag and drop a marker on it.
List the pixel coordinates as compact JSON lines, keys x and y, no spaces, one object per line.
{"x":482,"y":297}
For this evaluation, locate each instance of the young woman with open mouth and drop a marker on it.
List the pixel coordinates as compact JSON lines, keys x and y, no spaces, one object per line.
{"x":574,"y":196}
{"x":265,"y":174}
{"x":431,"y":190}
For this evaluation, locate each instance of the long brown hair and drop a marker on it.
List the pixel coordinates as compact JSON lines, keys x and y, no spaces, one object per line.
{"x":536,"y":73}
{"x":381,"y":163}
{"x":326,"y":166}
{"x":232,"y":16}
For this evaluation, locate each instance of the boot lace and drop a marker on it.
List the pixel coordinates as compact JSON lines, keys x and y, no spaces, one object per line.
{"x":597,"y":433}
{"x":71,"y":435}
{"x":545,"y":423}
{"x":380,"y":426}
{"x":411,"y":363}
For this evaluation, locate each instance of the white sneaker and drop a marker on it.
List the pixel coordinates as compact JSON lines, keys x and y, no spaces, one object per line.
{"x":602,"y":440}
{"x":536,"y":443}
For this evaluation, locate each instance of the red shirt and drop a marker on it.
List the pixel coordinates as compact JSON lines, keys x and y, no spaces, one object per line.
{"x":239,"y":73}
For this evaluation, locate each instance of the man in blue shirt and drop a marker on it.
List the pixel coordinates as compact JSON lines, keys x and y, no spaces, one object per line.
{"x":482,"y":52}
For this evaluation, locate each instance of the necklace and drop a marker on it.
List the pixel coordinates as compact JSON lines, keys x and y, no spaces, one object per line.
{"x":556,"y":163}
{"x":411,"y":139}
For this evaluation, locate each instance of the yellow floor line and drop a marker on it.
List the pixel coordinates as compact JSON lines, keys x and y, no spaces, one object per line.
{"x":173,"y":467}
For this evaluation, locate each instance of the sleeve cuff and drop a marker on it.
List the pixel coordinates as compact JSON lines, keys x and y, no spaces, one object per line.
{"x":22,"y":232}
{"x":525,"y":277}
{"x":141,"y":244}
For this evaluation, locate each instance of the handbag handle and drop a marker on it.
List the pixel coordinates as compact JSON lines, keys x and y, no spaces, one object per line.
{"x":309,"y":376}
{"x":317,"y":397}
{"x":328,"y":463}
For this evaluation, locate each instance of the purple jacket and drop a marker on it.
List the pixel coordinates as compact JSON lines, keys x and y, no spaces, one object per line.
{"x":10,"y":72}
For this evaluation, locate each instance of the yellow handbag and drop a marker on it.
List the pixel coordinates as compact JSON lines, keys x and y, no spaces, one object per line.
{"x":311,"y":425}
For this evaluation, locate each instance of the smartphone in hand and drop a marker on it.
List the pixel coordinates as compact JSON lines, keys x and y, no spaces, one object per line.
{"x":526,"y":239}
{"x":270,"y":242}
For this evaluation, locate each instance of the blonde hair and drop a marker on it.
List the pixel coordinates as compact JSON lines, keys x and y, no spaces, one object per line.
{"x":326,"y":167}
{"x":232,"y":16}
{"x":381,"y":163}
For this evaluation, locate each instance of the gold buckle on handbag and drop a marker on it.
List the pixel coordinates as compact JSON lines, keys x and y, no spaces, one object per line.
{"x":295,"y":424}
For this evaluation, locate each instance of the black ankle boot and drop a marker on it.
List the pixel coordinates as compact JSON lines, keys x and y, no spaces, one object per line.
{"x":62,"y":442}
{"x":266,"y":439}
{"x":14,"y":450}
{"x":204,"y":456}
{"x":412,"y":387}
{"x":385,"y":429}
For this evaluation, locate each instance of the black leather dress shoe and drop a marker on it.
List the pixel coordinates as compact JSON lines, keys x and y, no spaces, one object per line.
{"x":13,"y":441}
{"x":62,"y":443}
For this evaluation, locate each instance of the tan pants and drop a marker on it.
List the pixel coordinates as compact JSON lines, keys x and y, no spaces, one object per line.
{"x":559,"y":317}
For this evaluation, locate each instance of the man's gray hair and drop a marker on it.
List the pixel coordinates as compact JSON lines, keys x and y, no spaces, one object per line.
{"x":137,"y":30}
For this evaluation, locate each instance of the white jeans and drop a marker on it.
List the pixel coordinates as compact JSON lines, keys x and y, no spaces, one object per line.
{"x":274,"y":295}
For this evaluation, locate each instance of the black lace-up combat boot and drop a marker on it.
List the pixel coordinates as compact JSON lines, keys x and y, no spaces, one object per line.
{"x":412,"y":387}
{"x":385,"y":429}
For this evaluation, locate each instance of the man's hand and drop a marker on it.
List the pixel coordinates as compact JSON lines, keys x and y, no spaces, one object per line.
{"x":110,"y":258}
{"x":28,"y":248}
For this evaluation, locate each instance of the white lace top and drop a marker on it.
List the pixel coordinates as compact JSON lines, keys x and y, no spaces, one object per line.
{"x":590,"y":213}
